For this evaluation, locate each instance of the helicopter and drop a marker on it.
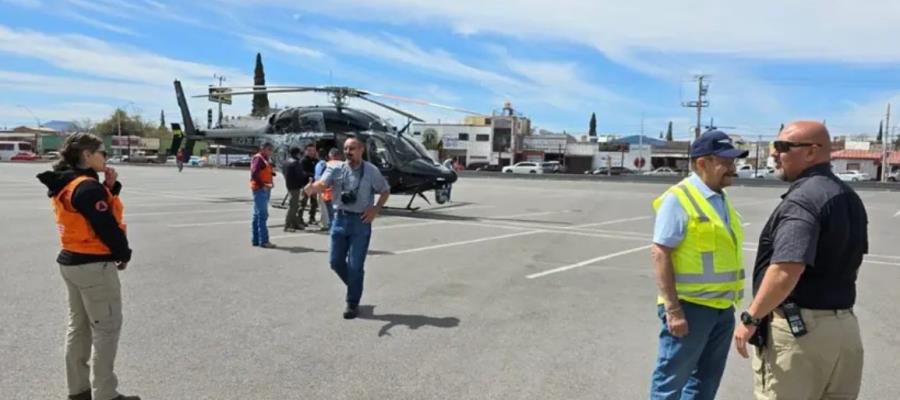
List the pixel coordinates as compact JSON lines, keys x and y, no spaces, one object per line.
{"x":403,"y":161}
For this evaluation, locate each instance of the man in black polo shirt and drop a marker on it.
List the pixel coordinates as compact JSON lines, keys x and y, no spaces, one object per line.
{"x":804,"y":283}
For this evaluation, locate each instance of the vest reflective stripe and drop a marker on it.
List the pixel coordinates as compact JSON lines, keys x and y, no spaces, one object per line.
{"x":708,"y":263}
{"x":727,"y":294}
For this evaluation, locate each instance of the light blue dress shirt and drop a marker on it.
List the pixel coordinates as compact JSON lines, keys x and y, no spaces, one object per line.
{"x":672,"y":219}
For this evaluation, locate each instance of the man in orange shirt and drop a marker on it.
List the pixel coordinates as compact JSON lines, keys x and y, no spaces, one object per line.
{"x":261,"y":183}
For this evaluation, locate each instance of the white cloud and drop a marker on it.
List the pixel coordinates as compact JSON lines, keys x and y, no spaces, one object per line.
{"x":277,"y":45}
{"x":831,"y":30}
{"x":93,"y":57}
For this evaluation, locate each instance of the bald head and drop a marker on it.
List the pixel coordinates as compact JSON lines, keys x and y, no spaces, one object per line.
{"x":803,"y":145}
{"x":809,"y":132}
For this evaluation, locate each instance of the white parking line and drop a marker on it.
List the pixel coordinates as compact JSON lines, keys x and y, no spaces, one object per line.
{"x":616,"y":221}
{"x":147,"y":214}
{"x":200,"y":224}
{"x":588,"y":262}
{"x":465,"y":242}
{"x":376,"y":228}
{"x":897,"y":214}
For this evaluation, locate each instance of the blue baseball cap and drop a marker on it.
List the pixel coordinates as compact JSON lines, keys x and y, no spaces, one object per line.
{"x":716,"y":143}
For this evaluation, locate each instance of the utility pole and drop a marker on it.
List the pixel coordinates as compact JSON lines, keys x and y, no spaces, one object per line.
{"x":885,"y":168}
{"x":756,"y":170}
{"x":221,"y":79}
{"x":700,"y":103}
{"x":640,"y":163}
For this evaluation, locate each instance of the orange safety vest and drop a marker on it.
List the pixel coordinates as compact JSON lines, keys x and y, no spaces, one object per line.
{"x":328,"y":193}
{"x":265,"y":174}
{"x":75,"y":232}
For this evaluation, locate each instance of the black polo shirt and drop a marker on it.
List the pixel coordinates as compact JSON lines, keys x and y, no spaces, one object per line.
{"x":822,"y":223}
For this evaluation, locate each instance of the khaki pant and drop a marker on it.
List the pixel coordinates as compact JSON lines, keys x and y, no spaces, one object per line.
{"x":95,"y":320}
{"x":826,"y":363}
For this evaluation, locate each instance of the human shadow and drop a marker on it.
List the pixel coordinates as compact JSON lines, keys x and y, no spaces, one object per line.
{"x":298,"y":249}
{"x":412,"y":321}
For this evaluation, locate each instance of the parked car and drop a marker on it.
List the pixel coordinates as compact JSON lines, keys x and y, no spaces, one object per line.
{"x":747,"y":171}
{"x":197,"y":161}
{"x":52,"y":155}
{"x":553,"y":167}
{"x":853,"y":176}
{"x":9,"y":149}
{"x":610,"y":171}
{"x":489,"y":168}
{"x":240,"y":162}
{"x":894,"y":175}
{"x":525,"y":167}
{"x":25,"y":156}
{"x":662,"y":171}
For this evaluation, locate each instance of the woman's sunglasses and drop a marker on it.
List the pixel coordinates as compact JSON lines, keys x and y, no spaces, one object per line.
{"x":783,"y":146}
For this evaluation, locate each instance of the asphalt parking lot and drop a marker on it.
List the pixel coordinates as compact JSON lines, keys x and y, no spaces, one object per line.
{"x":518,"y":289}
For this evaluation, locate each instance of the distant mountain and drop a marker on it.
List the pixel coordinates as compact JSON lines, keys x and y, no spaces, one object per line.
{"x":60,"y":126}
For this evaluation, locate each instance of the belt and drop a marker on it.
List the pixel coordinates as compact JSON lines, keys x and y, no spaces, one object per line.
{"x":348,"y":212}
{"x":817,"y":313}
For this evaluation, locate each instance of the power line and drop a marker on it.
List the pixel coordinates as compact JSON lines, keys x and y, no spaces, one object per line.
{"x":700,"y":103}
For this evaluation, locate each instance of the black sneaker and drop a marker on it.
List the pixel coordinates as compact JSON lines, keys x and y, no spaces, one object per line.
{"x":81,"y":396}
{"x":351,"y":311}
{"x":123,"y":397}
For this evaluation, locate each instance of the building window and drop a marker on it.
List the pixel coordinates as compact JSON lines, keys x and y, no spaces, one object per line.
{"x":482,"y":138}
{"x":853,"y":167}
{"x":464,"y":137}
{"x":417,"y":133}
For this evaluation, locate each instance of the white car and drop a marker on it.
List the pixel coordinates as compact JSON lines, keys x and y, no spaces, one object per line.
{"x":524,"y":168}
{"x":853,"y":176}
{"x":662,"y":171}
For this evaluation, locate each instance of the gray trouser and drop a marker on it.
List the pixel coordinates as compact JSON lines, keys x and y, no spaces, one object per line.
{"x":324,"y":218}
{"x":293,"y":219}
{"x":95,"y":320}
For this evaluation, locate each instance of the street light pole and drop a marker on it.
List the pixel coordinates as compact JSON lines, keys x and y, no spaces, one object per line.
{"x":38,"y":120}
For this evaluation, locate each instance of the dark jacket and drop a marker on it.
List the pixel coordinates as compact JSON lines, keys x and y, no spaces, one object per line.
{"x":104,"y":224}
{"x":295,"y":177}
{"x":309,"y":165}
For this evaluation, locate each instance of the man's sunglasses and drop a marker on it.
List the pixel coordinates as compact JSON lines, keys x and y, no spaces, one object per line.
{"x":783,"y":146}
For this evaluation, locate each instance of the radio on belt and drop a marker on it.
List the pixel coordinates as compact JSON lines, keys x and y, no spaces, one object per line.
{"x":794,"y":318}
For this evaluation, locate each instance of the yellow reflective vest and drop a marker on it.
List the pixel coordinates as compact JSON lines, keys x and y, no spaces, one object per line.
{"x":708,"y":263}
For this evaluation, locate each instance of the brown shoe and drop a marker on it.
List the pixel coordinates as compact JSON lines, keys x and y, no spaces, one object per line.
{"x":268,"y":245}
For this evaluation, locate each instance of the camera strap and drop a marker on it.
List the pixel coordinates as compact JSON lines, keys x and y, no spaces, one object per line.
{"x":362,"y":173}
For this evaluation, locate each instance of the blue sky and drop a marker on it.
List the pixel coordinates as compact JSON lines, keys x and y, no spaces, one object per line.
{"x":557,"y":62}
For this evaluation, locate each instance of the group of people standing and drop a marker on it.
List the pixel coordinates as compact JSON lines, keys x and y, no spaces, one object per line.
{"x":800,"y":319}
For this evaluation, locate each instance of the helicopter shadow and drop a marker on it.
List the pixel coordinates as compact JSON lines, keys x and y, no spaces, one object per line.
{"x":430,"y":215}
{"x":413,"y":322}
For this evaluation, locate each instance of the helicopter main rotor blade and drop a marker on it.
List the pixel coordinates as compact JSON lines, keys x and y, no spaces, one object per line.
{"x":394,"y":109}
{"x":267,"y":91}
{"x":424,"y":103}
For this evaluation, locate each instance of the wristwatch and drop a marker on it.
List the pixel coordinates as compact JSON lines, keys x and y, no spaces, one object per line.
{"x":747,"y":319}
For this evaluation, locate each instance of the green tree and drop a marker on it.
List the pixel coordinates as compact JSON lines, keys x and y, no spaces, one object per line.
{"x":593,"y":125}
{"x":669,"y":136}
{"x":162,"y":119}
{"x":430,"y":139}
{"x":260,"y":100}
{"x":880,"y":131}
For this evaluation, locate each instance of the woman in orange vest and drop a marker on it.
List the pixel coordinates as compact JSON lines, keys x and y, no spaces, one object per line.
{"x":94,"y":250}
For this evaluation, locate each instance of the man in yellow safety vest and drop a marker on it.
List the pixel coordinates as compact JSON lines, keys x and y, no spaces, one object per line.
{"x":697,"y":255}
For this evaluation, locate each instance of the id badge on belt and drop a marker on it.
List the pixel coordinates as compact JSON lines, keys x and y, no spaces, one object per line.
{"x":794,"y":318}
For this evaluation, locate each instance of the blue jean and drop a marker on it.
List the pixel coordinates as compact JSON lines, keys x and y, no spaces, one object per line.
{"x":349,"y":244}
{"x":691,"y":367}
{"x":260,"y":231}
{"x":329,"y":208}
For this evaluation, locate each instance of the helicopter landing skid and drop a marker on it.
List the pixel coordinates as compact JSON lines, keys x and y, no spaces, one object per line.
{"x":409,"y":206}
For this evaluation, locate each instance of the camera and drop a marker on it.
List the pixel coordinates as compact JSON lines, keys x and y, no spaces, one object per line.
{"x":348,"y":198}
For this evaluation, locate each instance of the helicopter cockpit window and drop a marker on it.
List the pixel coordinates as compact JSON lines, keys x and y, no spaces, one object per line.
{"x":311,"y":122}
{"x":406,"y":149}
{"x":378,"y":153}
